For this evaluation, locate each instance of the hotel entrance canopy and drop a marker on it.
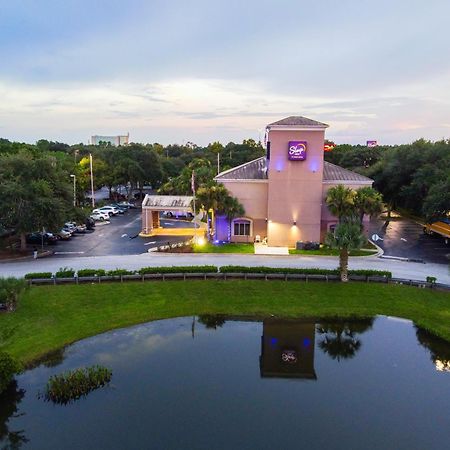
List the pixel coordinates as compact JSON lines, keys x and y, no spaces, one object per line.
{"x":168,"y":202}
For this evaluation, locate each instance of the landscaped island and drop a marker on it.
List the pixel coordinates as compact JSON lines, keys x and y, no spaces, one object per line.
{"x":49,"y":317}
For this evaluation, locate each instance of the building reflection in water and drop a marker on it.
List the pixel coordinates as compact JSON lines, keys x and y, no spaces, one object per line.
{"x":287,"y":349}
{"x":438,"y":348}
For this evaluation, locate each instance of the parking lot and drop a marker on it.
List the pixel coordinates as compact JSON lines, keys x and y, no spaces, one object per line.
{"x":119,"y":236}
{"x":405,"y":238}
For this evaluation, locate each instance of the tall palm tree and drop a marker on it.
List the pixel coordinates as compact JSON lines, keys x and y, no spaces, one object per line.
{"x":347,"y":236}
{"x":232,"y":209}
{"x":368,"y":201}
{"x":341,"y":202}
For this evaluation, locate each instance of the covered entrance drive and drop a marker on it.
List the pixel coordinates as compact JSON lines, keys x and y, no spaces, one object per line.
{"x":153,"y":205}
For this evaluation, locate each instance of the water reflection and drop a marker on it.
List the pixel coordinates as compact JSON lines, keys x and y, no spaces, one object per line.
{"x":339,"y":338}
{"x":439,"y":349}
{"x":287,"y":349}
{"x":9,"y":401}
{"x":212,"y":321}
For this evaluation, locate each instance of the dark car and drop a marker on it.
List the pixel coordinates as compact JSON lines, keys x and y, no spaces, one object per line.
{"x":39,"y":238}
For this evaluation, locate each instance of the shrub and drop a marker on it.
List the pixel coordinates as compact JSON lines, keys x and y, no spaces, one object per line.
{"x":10,"y":290}
{"x":91,"y":273}
{"x":8,"y":368}
{"x":65,"y":272}
{"x":118,"y":272}
{"x":178,"y":269}
{"x":431,"y":280}
{"x":286,"y":270}
{"x":72,"y":385}
{"x":37,"y":275}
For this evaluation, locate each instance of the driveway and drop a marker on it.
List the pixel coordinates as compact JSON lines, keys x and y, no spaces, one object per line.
{"x":405,"y":238}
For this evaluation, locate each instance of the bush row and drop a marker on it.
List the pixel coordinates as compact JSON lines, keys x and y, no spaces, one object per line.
{"x":69,"y":273}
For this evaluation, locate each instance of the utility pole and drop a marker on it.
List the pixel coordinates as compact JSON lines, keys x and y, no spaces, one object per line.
{"x":218,"y":163}
{"x":74,"y":190}
{"x":92,"y":180}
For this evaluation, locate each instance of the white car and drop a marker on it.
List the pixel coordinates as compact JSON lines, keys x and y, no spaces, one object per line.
{"x":100,"y":216}
{"x":111,"y":210}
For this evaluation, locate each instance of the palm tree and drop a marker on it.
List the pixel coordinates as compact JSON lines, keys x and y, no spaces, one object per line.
{"x":232,"y":209}
{"x":341,"y":202}
{"x":347,"y":236}
{"x":368,"y":201}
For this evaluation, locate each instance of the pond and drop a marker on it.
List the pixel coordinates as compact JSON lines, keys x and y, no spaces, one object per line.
{"x":212,"y":382}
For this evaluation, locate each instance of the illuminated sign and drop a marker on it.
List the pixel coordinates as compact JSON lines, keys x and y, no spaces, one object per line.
{"x":328,"y":147}
{"x":297,"y":150}
{"x":289,"y":356}
{"x":372,"y":143}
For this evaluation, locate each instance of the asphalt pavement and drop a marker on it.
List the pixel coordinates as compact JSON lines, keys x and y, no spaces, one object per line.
{"x":119,"y":236}
{"x":405,"y":238}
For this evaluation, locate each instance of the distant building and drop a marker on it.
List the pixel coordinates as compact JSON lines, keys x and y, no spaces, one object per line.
{"x":112,"y":140}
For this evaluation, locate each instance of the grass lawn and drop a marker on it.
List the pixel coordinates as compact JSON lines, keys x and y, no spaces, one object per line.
{"x":331,"y":252}
{"x":49,"y":317}
{"x":223,"y":248}
{"x":249,"y":248}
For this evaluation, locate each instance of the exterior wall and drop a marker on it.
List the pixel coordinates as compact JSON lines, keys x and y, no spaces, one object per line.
{"x":295,"y":188}
{"x":253,"y":197}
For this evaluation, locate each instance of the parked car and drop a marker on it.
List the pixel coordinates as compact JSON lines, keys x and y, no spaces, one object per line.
{"x":100,"y":216}
{"x":77,"y":228}
{"x":127,"y":205}
{"x":120,"y":207}
{"x":39,"y":238}
{"x":63,"y":234}
{"x":178,"y":214}
{"x":111,"y":210}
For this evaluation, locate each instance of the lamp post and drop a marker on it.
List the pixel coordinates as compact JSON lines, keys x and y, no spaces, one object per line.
{"x":74,"y":189}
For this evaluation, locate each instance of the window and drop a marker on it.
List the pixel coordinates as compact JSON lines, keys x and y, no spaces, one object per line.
{"x":242,"y":228}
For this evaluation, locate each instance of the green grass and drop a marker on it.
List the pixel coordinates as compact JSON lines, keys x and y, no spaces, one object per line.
{"x":223,"y":248}
{"x":50,"y":317}
{"x":331,"y":252}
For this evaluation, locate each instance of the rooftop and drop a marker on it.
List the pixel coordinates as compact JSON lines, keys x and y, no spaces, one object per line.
{"x":256,"y":170}
{"x":168,"y":202}
{"x":297,"y":121}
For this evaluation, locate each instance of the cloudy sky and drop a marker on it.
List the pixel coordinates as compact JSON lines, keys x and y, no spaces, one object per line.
{"x":172,"y":71}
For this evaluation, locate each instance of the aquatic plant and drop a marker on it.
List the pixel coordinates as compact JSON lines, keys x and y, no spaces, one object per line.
{"x":74,"y":384}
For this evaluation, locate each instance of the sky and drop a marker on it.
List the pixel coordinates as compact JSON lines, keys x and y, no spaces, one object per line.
{"x":173,"y":71}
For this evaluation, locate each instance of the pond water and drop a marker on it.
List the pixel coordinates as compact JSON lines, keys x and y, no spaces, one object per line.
{"x":222,"y":383}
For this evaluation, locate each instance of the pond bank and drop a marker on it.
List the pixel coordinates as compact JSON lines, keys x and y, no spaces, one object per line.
{"x":50,"y":317}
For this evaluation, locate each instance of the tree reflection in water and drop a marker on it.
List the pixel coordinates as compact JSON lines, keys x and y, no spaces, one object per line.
{"x":212,"y":320}
{"x":9,"y":402}
{"x":339,"y":337}
{"x":439,"y":349}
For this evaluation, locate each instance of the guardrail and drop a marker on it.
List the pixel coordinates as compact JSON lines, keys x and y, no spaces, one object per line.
{"x":235,"y":276}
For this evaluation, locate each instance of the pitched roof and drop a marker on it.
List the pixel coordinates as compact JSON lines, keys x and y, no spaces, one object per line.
{"x":331,"y":172}
{"x":256,"y":170}
{"x":298,"y":121}
{"x":167,"y":202}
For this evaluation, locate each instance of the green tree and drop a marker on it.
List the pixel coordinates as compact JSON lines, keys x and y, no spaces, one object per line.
{"x":341,"y":202}
{"x":367,"y":201}
{"x":35,"y":193}
{"x":231,"y":208}
{"x":347,"y":236}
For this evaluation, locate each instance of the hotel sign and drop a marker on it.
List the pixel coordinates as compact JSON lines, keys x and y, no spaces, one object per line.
{"x":297,"y":150}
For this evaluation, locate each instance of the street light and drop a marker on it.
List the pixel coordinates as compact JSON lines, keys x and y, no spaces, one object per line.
{"x":74,"y":189}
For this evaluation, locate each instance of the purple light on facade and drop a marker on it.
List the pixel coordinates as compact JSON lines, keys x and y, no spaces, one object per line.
{"x":222,"y":228}
{"x":297,"y":150}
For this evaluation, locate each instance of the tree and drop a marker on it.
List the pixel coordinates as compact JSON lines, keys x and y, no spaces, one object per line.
{"x":367,"y":201}
{"x":35,"y":193}
{"x":347,"y":236}
{"x":231,"y":209}
{"x":341,"y":202}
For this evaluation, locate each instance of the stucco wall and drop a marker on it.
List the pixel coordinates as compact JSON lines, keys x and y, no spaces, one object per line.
{"x":295,"y":188}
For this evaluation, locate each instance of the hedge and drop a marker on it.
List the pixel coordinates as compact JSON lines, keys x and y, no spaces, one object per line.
{"x":65,"y":273}
{"x":118,"y":272}
{"x":37,"y":275}
{"x":302,"y":271}
{"x":178,"y":269}
{"x":91,"y":273}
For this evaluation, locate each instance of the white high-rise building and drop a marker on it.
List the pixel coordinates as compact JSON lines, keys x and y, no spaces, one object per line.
{"x":113,"y":140}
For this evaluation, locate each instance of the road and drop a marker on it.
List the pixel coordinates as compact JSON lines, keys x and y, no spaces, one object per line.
{"x":400,"y":269}
{"x":405,"y":238}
